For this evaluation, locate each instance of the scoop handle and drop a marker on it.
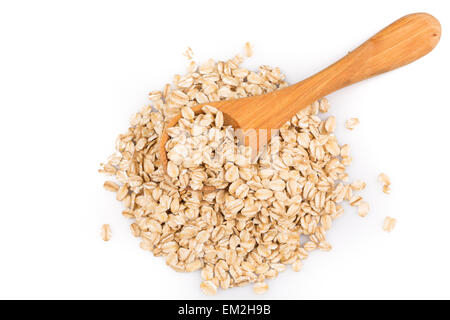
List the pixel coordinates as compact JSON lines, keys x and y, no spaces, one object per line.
{"x":402,"y":42}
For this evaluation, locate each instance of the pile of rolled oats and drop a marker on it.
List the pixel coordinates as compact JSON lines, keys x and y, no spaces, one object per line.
{"x":262,"y":215}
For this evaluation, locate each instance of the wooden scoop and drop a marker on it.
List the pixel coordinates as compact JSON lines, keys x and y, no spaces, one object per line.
{"x":400,"y":43}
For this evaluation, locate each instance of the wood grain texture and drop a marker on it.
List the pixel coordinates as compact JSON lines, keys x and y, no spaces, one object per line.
{"x":399,"y":44}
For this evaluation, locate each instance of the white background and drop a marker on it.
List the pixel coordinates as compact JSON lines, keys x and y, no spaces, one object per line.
{"x":73,"y":72}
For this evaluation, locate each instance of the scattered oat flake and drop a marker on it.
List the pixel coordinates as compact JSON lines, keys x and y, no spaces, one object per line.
{"x":386,"y":182}
{"x":384,"y":179}
{"x":106,"y":232}
{"x":260,"y":287}
{"x":248,"y":49}
{"x":363,"y":209}
{"x":389,"y":224}
{"x":188,"y":53}
{"x":355,"y":200}
{"x":351,"y":123}
{"x":208,"y":288}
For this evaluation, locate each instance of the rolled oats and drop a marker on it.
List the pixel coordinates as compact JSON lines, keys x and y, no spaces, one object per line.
{"x":352,"y":123}
{"x":363,"y":209}
{"x":389,"y":224}
{"x":260,"y":287}
{"x":358,"y":185}
{"x":208,"y":287}
{"x":248,"y":49}
{"x":297,"y":265}
{"x":106,"y":232}
{"x":249,"y":227}
{"x":111,"y":186}
{"x":386,"y":182}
